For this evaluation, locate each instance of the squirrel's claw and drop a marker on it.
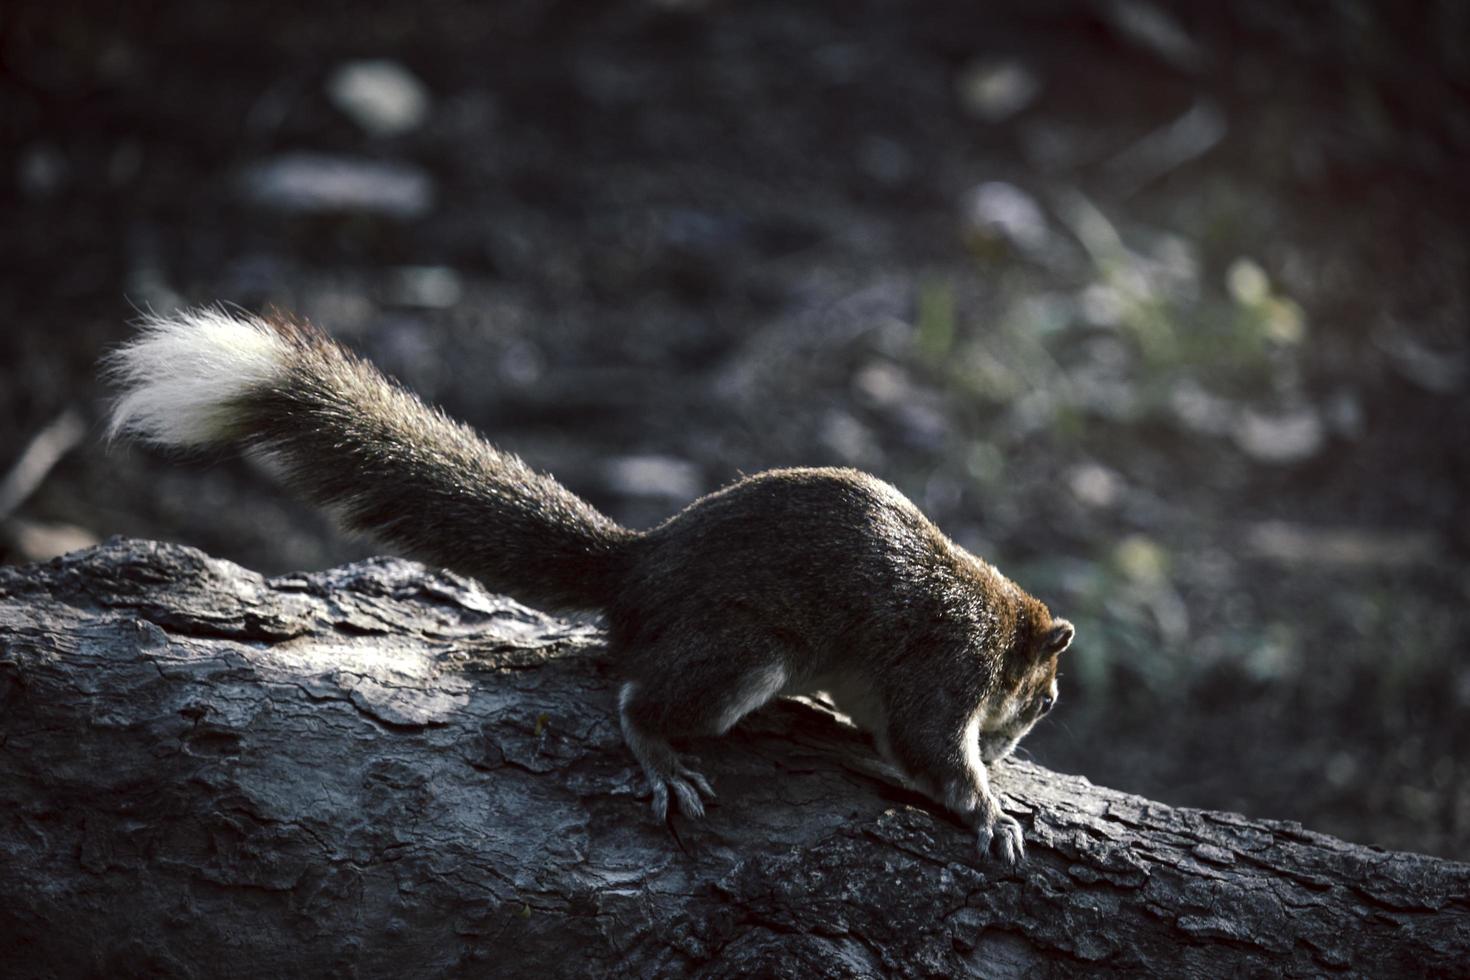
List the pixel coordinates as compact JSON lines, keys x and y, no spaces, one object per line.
{"x":688,"y":786}
{"x":1004,"y":833}
{"x":700,"y":783}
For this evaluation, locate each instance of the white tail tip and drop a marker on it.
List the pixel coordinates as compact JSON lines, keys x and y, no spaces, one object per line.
{"x":176,"y":380}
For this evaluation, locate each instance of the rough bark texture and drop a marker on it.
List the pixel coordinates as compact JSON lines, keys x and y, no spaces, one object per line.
{"x":383,"y":771}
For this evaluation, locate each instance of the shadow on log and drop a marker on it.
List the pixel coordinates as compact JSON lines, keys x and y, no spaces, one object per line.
{"x":383,"y":771}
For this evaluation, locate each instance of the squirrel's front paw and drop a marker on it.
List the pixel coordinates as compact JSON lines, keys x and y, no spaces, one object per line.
{"x":1001,"y":832}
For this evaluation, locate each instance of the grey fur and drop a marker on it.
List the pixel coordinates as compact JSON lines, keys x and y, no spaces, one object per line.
{"x":786,"y":582}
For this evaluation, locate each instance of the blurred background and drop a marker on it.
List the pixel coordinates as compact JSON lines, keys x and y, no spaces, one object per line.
{"x":1160,"y":306}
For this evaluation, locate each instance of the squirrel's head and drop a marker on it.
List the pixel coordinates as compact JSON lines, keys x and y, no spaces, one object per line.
{"x":1027,"y":687}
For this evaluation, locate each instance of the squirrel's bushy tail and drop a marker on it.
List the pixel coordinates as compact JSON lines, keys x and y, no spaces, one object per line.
{"x":350,"y":439}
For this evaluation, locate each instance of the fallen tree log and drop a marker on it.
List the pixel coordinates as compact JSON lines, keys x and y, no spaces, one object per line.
{"x":384,"y":771}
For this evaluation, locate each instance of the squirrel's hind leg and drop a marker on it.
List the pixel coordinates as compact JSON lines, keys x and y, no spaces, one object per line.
{"x":682,"y":704}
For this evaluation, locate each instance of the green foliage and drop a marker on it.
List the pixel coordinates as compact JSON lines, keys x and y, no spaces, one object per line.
{"x":1129,"y":619}
{"x":934,"y":327}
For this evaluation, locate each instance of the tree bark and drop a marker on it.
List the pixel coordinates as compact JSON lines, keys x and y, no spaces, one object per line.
{"x":384,"y":771}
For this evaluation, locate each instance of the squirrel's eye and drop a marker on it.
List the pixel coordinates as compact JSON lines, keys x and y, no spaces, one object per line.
{"x":1046,"y":702}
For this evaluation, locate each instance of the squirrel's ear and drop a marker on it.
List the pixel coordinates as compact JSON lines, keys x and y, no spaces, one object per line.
{"x":1058,"y":638}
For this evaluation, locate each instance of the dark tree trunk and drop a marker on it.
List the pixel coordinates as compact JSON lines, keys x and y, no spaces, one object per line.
{"x":382,"y":771}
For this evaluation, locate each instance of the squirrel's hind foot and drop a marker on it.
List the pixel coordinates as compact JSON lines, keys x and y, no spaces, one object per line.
{"x":690,"y":789}
{"x":667,"y":774}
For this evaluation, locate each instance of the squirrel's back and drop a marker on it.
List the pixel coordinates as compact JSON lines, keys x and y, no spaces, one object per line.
{"x":821,"y":554}
{"x":348,"y":438}
{"x":791,"y":581}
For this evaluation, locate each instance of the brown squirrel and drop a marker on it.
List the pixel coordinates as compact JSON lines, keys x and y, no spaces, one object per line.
{"x":788,"y":582}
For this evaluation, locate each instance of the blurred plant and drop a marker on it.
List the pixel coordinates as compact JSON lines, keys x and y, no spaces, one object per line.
{"x":1132,"y":624}
{"x":934,"y":326}
{"x":1177,"y":327}
{"x":1139,"y":335}
{"x":1262,"y":314}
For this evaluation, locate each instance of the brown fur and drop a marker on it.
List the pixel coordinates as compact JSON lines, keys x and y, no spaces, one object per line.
{"x":787,"y":582}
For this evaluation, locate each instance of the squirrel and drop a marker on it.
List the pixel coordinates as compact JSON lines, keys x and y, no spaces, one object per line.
{"x":789,"y":582}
